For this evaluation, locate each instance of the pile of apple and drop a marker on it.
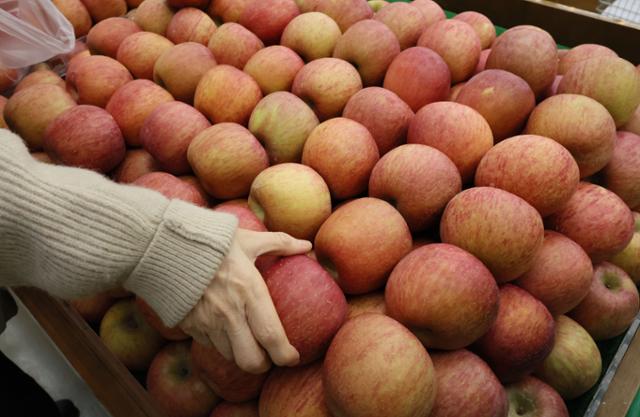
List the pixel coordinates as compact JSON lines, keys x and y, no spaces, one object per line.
{"x":469,"y":197}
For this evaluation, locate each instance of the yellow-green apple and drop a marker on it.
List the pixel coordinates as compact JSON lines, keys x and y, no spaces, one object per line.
{"x":3,"y":103}
{"x":629,"y":258}
{"x":561,"y":274}
{"x":596,"y":219}
{"x":176,"y":388}
{"x":154,"y":16}
{"x":580,"y":124}
{"x":529,"y":52}
{"x":481,"y":24}
{"x":227,"y":10}
{"x":104,"y":9}
{"x":361,"y":242}
{"x":223,"y":376}
{"x":191,"y":25}
{"x":227,"y":409}
{"x":372,"y":302}
{"x":76,"y":14}
{"x":153,"y":320}
{"x":444,"y":295}
{"x":535,"y":168}
{"x":466,"y":387}
{"x":383,"y":113}
{"x":188,"y":3}
{"x":171,"y":187}
{"x":311,"y":35}
{"x":633,"y":125}
{"x":8,"y":77}
{"x":361,"y":369}
{"x":613,"y":82}
{"x":294,"y":392}
{"x":457,"y":43}
{"x":291,"y":198}
{"x":94,"y":307}
{"x":125,"y":332}
{"x":343,"y":152}
{"x":167,"y":132}
{"x":531,"y":397}
{"x":458,"y":131}
{"x":405,"y":21}
{"x":309,"y":302}
{"x":132,"y":103}
{"x":135,"y":164}
{"x":622,"y":173}
{"x":274,"y":68}
{"x":233,"y":44}
{"x":87,"y":137}
{"x":45,"y":76}
{"x":418,"y":76}
{"x":581,"y":53}
{"x":140,"y":51}
{"x":482,"y":61}
{"x":95,"y":78}
{"x":574,"y":364}
{"x":503,"y":98}
{"x":226,"y":158}
{"x":611,"y":304}
{"x":326,"y":85}
{"x":226,"y":94}
{"x":344,"y":12}
{"x":172,"y":72}
{"x":431,"y":10}
{"x":30,"y":111}
{"x":501,"y":229}
{"x":520,"y":338}
{"x":376,"y":5}
{"x":131,"y":14}
{"x":418,"y":181}
{"x":268,"y":18}
{"x":369,"y":46}
{"x":105,"y":37}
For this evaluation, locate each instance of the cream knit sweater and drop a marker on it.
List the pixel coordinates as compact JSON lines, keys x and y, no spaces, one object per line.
{"x":73,"y":232}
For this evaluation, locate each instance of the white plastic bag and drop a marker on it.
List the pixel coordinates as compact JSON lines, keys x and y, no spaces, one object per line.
{"x":32,"y":31}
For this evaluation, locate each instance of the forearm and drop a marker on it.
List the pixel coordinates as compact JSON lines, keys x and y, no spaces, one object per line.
{"x":73,"y":232}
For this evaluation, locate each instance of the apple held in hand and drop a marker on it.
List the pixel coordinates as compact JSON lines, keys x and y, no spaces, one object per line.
{"x":362,"y":368}
{"x":531,"y":397}
{"x":173,"y":384}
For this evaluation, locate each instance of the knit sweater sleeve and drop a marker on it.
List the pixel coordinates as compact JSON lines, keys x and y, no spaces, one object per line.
{"x":73,"y":232}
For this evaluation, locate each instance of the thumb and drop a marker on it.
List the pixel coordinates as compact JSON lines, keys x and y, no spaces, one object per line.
{"x":281,"y":244}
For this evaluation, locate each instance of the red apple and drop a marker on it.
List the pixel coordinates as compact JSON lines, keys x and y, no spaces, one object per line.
{"x":418,"y":76}
{"x":104,"y":9}
{"x":611,"y":304}
{"x":94,"y":307}
{"x":362,"y":368}
{"x":457,"y":130}
{"x":190,"y":25}
{"x":128,"y":336}
{"x":106,"y":36}
{"x":140,"y":51}
{"x":227,"y":10}
{"x":361,"y":242}
{"x":372,"y":302}
{"x":76,"y":14}
{"x":457,"y":43}
{"x":418,"y":180}
{"x":520,"y":338}
{"x":154,"y":16}
{"x":291,"y":198}
{"x":226,"y":158}
{"x":45,"y":76}
{"x":481,"y":24}
{"x":622,"y":173}
{"x":629,"y":258}
{"x":188,"y":3}
{"x":226,"y":94}
{"x":596,"y":219}
{"x":503,"y":98}
{"x":227,"y":409}
{"x":326,"y":85}
{"x":95,"y":78}
{"x":310,"y":304}
{"x":274,"y":68}
{"x":344,"y":12}
{"x":223,"y":376}
{"x":633,"y":125}
{"x":192,"y":180}
{"x":175,"y":387}
{"x":405,"y":21}
{"x":233,"y":44}
{"x":560,"y":275}
{"x":531,"y":397}
{"x":171,"y":187}
{"x":343,"y":152}
{"x":3,"y":103}
{"x":153,"y":320}
{"x":445,"y":295}
{"x":268,"y":18}
{"x":370,"y":46}
{"x":499,"y":228}
{"x":466,"y":387}
{"x":431,"y":10}
{"x":8,"y":78}
{"x":482,"y":61}
{"x":135,"y":164}
{"x":581,"y":53}
{"x":132,"y":103}
{"x":311,"y":35}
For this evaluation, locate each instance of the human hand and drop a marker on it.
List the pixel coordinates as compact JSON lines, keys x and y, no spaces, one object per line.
{"x":236,"y":313}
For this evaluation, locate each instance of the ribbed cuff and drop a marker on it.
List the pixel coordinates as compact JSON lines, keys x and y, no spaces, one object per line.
{"x":182,"y":258}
